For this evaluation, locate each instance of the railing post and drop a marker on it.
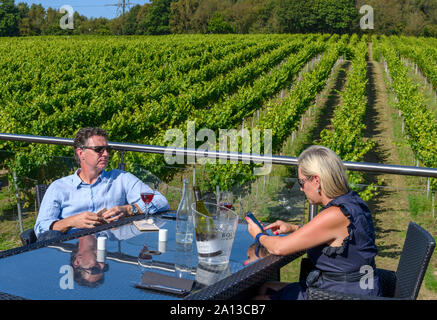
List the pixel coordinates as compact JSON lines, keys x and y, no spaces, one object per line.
{"x":313,"y":211}
{"x":121,"y":165}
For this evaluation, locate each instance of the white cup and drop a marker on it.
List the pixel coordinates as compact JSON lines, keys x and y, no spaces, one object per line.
{"x":101,"y":243}
{"x":101,"y":256}
{"x":163,"y":234}
{"x":162,"y":246}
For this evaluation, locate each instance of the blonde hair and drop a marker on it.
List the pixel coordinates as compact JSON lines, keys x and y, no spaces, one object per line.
{"x":323,"y":162}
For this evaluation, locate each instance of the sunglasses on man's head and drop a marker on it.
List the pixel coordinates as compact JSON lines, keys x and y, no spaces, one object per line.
{"x":98,"y":149}
{"x":94,"y":270}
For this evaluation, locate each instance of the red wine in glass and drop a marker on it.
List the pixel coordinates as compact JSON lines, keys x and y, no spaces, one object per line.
{"x":227,"y":205}
{"x":147,"y":197}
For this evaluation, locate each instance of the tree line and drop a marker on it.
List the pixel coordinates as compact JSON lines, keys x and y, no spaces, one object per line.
{"x":409,"y":17}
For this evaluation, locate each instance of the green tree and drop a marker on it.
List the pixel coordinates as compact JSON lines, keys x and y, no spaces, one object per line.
{"x":297,"y":16}
{"x":157,"y":18}
{"x":116,"y":26}
{"x":83,"y":25}
{"x":218,"y":24}
{"x":24,"y":28}
{"x":336,"y":16}
{"x":388,"y":16}
{"x":141,"y":17}
{"x":130,"y":25}
{"x":181,"y":15}
{"x":36,"y":19}
{"x":430,"y":30}
{"x":206,"y":10}
{"x":248,"y":15}
{"x":9,"y":18}
{"x":51,"y":25}
{"x":100,"y":26}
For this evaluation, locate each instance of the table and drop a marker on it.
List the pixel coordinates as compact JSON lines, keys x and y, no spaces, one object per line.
{"x":42,"y":270}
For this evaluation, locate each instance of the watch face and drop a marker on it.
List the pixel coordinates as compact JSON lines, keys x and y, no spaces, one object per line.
{"x":134,"y":209}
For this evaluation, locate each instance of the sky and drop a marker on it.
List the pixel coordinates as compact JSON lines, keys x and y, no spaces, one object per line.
{"x":88,"y":8}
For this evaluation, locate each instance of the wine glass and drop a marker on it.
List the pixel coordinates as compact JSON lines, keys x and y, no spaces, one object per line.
{"x":147,"y":197}
{"x":226,"y":200}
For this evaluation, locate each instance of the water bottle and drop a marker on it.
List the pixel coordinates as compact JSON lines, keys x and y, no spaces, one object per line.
{"x":184,"y":218}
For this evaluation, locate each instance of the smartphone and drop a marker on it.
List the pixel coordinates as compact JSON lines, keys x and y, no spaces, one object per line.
{"x":251,"y":216}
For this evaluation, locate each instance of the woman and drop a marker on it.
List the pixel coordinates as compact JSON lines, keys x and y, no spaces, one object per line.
{"x":340,"y":239}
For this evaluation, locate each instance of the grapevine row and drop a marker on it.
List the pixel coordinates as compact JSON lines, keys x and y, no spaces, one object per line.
{"x":281,"y":118}
{"x":420,"y":124}
{"x":347,"y":136}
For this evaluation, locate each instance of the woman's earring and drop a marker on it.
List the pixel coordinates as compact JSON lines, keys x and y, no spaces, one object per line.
{"x":318,"y":191}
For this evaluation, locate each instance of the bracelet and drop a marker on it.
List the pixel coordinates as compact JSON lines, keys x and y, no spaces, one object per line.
{"x":258,"y":236}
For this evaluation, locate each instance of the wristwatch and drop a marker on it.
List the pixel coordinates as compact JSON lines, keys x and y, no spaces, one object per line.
{"x":134,"y":209}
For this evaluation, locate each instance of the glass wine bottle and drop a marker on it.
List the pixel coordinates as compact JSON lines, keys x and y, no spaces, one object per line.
{"x":184,"y":217}
{"x":206,"y":238}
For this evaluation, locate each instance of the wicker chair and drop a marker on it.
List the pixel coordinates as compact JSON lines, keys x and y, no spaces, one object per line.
{"x":28,"y":236}
{"x":406,"y":281}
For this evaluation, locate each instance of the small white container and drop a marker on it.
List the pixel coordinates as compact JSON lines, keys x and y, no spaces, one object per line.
{"x":101,"y":243}
{"x":163,"y":234}
{"x":162,"y":246}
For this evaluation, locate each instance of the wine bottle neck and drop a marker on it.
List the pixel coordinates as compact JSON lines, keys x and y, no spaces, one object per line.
{"x":197,"y":195}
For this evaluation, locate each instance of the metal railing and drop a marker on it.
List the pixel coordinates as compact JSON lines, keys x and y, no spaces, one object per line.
{"x":256,"y":158}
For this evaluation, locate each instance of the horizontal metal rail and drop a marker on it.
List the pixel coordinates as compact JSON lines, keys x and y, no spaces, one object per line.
{"x":281,"y":160}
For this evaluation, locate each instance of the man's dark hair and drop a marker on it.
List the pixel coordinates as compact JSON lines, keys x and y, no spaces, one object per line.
{"x":78,"y":275}
{"x":82,"y":136}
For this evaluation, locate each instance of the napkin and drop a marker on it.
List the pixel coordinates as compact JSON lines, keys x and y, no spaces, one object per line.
{"x":146,"y":225}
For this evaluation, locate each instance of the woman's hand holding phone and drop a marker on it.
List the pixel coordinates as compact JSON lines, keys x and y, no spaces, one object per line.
{"x":281,"y":227}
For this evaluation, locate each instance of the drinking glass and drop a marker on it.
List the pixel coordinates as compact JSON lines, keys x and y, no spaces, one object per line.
{"x":147,"y":197}
{"x":226,"y":200}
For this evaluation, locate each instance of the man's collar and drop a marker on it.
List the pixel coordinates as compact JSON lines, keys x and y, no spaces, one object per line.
{"x":77,"y":180}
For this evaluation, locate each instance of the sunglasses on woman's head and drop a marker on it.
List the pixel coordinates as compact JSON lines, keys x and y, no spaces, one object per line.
{"x":302,"y":181}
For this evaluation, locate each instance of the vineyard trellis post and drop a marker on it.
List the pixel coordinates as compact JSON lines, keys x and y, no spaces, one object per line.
{"x":427,"y":188}
{"x":433,"y":203}
{"x":20,"y":221}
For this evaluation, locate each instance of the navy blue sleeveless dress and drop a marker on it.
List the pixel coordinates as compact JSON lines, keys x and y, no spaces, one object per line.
{"x":356,"y":256}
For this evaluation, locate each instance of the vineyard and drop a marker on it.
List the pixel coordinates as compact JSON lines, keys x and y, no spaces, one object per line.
{"x":138,"y":88}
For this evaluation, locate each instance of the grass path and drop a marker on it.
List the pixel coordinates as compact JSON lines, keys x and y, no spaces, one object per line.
{"x":390,"y":207}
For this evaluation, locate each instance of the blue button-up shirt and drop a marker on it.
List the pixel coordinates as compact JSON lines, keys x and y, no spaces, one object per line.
{"x":68,"y":196}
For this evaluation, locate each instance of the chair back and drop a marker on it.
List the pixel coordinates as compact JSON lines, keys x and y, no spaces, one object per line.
{"x":416,"y":254}
{"x":28,"y":236}
{"x":40,"y":191}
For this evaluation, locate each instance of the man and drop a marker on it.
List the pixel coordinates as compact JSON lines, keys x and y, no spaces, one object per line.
{"x":88,"y":270}
{"x":72,"y":202}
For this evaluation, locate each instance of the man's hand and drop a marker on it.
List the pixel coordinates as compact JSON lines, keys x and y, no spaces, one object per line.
{"x":85,"y":220}
{"x":116,"y":213}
